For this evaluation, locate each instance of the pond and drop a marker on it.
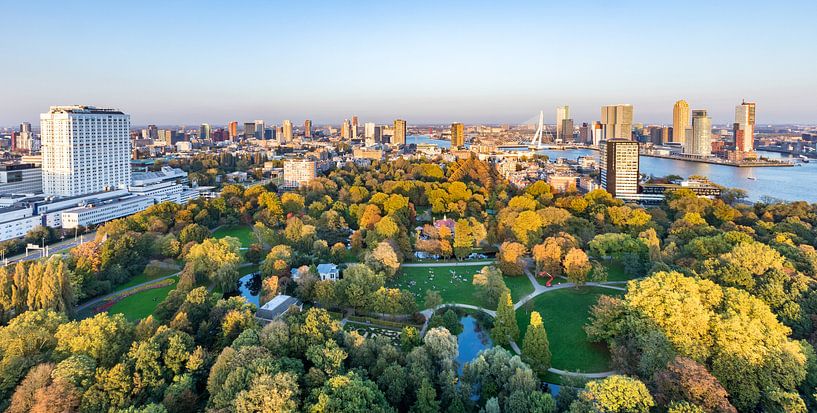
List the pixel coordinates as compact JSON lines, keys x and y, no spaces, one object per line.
{"x":471,"y":341}
{"x":249,"y":287}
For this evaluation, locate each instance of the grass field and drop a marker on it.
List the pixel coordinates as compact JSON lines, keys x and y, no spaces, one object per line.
{"x":141,"y":305}
{"x":242,"y":232}
{"x":454,"y":287}
{"x":143,"y":278}
{"x":564,"y":313}
{"x":615,"y":272}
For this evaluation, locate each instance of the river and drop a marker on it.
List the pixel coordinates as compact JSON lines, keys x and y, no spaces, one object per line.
{"x":787,"y":184}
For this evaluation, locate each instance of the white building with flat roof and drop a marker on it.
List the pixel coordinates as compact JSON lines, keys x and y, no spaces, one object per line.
{"x":299,"y":172}
{"x":97,"y":213}
{"x":85,"y":149}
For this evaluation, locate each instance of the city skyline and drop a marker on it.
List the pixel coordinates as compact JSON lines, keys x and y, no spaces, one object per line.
{"x":169,"y":73}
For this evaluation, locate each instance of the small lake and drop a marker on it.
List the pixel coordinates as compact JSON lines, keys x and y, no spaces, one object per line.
{"x":249,"y":287}
{"x":471,"y":341}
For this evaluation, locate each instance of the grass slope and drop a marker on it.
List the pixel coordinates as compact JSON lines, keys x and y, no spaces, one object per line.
{"x":564,"y":313}
{"x":141,"y":305}
{"x":242,"y":232}
{"x":454,"y":288}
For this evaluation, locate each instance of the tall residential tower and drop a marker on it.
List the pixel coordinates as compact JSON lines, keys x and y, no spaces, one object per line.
{"x":399,"y":136}
{"x":85,"y":149}
{"x":744,"y":127}
{"x":617,"y":121}
{"x":680,"y":121}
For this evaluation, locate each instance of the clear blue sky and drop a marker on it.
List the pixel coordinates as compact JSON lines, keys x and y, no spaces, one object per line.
{"x":472,"y":61}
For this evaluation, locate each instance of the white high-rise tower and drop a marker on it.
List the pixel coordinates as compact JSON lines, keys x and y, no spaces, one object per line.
{"x":85,"y":149}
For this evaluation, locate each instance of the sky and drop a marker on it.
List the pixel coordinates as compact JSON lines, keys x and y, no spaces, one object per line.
{"x":189,"y":62}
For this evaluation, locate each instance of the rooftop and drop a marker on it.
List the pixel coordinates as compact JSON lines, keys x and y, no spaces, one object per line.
{"x":84,"y":109}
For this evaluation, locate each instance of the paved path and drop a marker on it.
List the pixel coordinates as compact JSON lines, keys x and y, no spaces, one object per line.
{"x":105,"y":297}
{"x":447,"y":264}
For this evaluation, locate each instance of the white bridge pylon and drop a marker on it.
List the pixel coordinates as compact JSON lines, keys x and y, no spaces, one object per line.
{"x":537,"y":137}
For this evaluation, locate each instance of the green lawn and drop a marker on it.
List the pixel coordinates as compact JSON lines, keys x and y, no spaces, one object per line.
{"x":454,"y":288}
{"x":142,"y":304}
{"x":242,"y":232}
{"x":564,"y":313}
{"x":143,"y":278}
{"x":615,"y":272}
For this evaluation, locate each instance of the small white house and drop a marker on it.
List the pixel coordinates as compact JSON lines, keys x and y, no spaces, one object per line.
{"x":328,"y":272}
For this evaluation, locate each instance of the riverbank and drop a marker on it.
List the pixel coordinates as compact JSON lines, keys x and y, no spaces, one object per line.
{"x":724,"y":162}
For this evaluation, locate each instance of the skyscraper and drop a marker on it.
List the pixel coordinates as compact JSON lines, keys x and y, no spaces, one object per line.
{"x":566,"y":133}
{"x":204,"y":131}
{"x":249,"y":130}
{"x":680,"y":121}
{"x":259,"y":129}
{"x":25,"y":140}
{"x":619,"y":166}
{"x":307,"y":128}
{"x":399,"y":136}
{"x":457,"y":135}
{"x":85,"y":150}
{"x":584,"y":133}
{"x":346,"y":130}
{"x":153,"y":132}
{"x":368,"y":131}
{"x":233,"y":130}
{"x":617,"y":121}
{"x":562,"y":113}
{"x":287,"y":136}
{"x":700,"y":143}
{"x":744,"y":127}
{"x":597,"y":133}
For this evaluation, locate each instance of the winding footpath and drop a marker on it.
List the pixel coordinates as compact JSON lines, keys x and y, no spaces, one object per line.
{"x":538,"y":289}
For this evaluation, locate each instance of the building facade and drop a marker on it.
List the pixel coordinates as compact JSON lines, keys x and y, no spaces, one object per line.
{"x":562,"y":113}
{"x":617,"y":121}
{"x":457,"y":135}
{"x":700,"y":141}
{"x":21,"y":178}
{"x":680,"y":122}
{"x":298,"y":172}
{"x":399,"y":135}
{"x":85,"y":149}
{"x":619,"y":167}
{"x":307,"y":128}
{"x":744,"y":127}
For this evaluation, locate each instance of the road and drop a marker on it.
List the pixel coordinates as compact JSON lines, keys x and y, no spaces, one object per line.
{"x":52,"y":249}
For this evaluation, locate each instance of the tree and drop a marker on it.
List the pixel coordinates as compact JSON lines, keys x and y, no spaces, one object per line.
{"x":216,"y":260}
{"x":511,"y":258}
{"x":496,"y":373}
{"x":577,"y":266}
{"x":358,"y":285}
{"x":548,"y":257}
{"x":102,"y":337}
{"x":490,"y":285}
{"x":535,"y":348}
{"x":24,"y":396}
{"x":194,"y":233}
{"x":463,"y":240}
{"x":426,"y":400}
{"x":348,"y":393}
{"x":614,"y":394}
{"x":505,"y":328}
{"x":409,"y":338}
{"x":442,"y":347}
{"x":432,"y":299}
{"x":383,"y":259}
{"x":685,"y":380}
